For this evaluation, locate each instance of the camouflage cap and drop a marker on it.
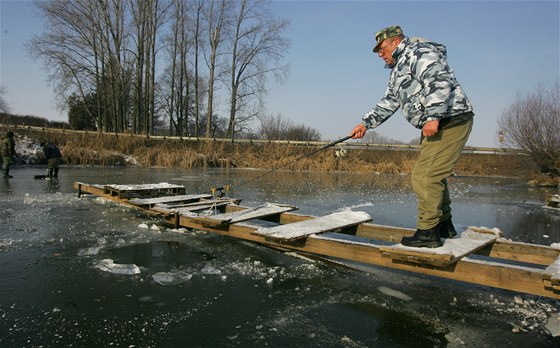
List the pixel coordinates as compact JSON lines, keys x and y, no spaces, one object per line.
{"x":385,"y":34}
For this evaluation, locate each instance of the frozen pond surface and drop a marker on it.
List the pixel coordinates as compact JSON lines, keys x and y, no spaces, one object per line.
{"x":90,"y":273}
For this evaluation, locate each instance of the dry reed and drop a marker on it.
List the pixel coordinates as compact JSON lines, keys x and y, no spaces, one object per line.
{"x":118,"y":150}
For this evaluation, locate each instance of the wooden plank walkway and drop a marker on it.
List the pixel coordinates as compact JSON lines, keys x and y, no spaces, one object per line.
{"x":178,"y":199}
{"x":260,"y":212}
{"x":470,"y":241}
{"x":302,"y":229}
{"x":189,"y":209}
{"x":152,"y":190}
{"x":528,"y":268}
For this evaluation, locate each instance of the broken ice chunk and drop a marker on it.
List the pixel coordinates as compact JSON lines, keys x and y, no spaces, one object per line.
{"x":89,"y":251}
{"x":107,"y":265}
{"x":167,"y":278}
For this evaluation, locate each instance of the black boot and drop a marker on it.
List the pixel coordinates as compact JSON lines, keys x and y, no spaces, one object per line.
{"x":446,"y":229}
{"x":7,"y":173}
{"x":424,"y":239}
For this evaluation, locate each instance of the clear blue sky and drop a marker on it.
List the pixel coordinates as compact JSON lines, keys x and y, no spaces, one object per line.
{"x":497,"y":49}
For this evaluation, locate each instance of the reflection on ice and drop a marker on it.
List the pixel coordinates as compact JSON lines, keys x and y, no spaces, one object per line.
{"x":107,"y":265}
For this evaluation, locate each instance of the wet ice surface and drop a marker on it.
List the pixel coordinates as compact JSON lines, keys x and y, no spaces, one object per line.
{"x":199,"y":289}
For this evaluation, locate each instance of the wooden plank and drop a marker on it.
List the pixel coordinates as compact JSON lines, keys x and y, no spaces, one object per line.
{"x":302,"y":229}
{"x":188,"y":210}
{"x":232,"y":202}
{"x":551,"y":275}
{"x":470,"y":241}
{"x":169,"y":199}
{"x":263,"y":211}
{"x":498,"y":275}
{"x":127,"y":191}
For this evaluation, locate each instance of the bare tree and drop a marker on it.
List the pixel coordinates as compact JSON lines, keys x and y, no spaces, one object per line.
{"x":148,"y":18}
{"x":257,"y":48}
{"x":372,"y":137}
{"x":217,"y":22}
{"x":108,"y":54}
{"x":70,"y":48}
{"x":112,"y":84}
{"x":279,"y":128}
{"x":4,"y":107}
{"x":198,"y":45}
{"x":531,"y":123}
{"x":177,"y":90}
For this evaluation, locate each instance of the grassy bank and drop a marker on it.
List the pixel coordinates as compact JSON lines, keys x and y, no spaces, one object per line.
{"x":121,"y":150}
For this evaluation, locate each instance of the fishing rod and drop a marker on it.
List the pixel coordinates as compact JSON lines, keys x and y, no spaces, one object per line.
{"x":227,"y":187}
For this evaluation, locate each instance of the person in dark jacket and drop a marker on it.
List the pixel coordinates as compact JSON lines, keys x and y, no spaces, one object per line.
{"x":53,"y":156}
{"x":424,"y":87}
{"x":7,"y":150}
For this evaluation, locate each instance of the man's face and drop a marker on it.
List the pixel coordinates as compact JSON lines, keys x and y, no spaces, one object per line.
{"x":387,"y":48}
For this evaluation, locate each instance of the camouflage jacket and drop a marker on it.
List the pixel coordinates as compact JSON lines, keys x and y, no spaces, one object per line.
{"x":7,"y":146}
{"x":422,"y":84}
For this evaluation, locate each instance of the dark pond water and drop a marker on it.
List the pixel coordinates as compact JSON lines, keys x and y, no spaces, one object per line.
{"x":193,"y":289}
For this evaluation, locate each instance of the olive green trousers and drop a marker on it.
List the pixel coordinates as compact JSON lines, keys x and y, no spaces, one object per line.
{"x":438,"y":156}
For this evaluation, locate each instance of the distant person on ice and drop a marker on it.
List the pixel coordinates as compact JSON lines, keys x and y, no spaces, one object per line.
{"x":424,"y":86}
{"x":53,"y":156}
{"x":7,"y":150}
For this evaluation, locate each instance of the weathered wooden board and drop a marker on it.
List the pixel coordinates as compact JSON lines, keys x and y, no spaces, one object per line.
{"x":169,"y":199}
{"x":244,"y":215}
{"x":470,"y":241}
{"x":153,"y":190}
{"x":551,"y":275}
{"x":302,"y":229}
{"x":188,"y":209}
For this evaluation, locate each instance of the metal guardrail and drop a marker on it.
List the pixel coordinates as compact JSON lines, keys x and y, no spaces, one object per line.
{"x":355,"y":144}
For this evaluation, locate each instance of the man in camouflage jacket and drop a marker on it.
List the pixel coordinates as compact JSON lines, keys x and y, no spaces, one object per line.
{"x":423,"y":85}
{"x":7,"y":150}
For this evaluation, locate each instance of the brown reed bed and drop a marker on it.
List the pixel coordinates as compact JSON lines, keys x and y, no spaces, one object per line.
{"x":122,"y":150}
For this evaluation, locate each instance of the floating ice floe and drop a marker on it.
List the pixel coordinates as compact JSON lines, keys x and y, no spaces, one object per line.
{"x":89,"y":251}
{"x":27,"y":199}
{"x":394,"y":293}
{"x":210,"y":270}
{"x":6,"y":242}
{"x":169,"y":278}
{"x":107,"y":265}
{"x":553,"y":325}
{"x":154,"y":227}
